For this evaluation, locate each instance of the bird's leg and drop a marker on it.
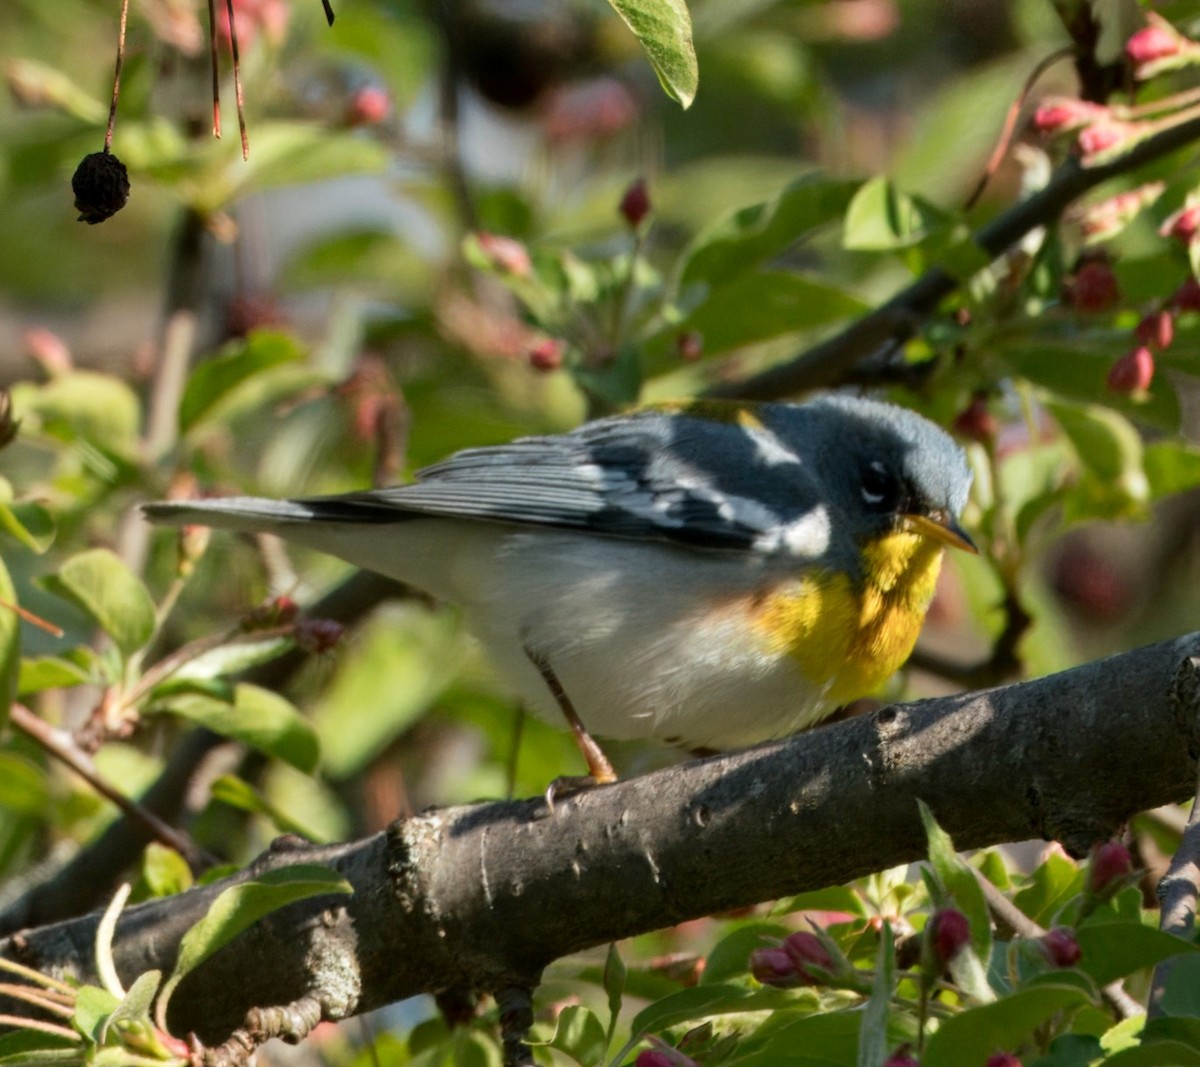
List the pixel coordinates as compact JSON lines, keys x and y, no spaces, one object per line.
{"x":600,"y":771}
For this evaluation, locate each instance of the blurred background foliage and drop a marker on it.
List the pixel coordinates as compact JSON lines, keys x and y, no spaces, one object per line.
{"x":464,"y":220}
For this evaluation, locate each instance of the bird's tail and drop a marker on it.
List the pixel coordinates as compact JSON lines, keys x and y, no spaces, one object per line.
{"x":231,"y":513}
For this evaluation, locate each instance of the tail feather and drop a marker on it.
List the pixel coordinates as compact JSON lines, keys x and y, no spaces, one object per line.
{"x":231,"y":513}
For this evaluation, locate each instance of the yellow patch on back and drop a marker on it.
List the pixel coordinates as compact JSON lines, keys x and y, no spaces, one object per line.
{"x":850,"y":639}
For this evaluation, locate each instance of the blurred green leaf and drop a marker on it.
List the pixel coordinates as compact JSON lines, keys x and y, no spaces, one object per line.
{"x":93,"y":1006}
{"x":80,"y":666}
{"x":761,"y":231}
{"x":664,"y":28}
{"x":238,"y":793}
{"x":29,"y":523}
{"x":961,"y":886}
{"x":99,"y":583}
{"x":1109,"y":448}
{"x":10,"y":644}
{"x":873,"y":1044}
{"x":704,"y":1000}
{"x":164,"y":871}
{"x":240,"y":654}
{"x":729,"y":958}
{"x":85,"y":406}
{"x":40,"y":85}
{"x":822,"y":1039}
{"x":240,"y":907}
{"x":1171,"y":467}
{"x":881,"y":218}
{"x":972,"y":1036}
{"x":759,"y":307}
{"x":580,"y":1035}
{"x":257,"y":717}
{"x":216,"y":378}
{"x":1111,"y":950}
{"x":23,"y":785}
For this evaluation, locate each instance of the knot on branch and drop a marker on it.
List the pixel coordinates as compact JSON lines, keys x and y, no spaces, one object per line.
{"x":290,"y":1022}
{"x":1185,"y":702}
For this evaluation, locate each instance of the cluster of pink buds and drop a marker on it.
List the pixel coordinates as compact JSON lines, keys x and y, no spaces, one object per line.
{"x":1155,"y":332}
{"x":1101,"y":134}
{"x":805,"y":959}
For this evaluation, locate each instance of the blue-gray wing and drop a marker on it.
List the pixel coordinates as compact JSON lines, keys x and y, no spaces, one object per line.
{"x":649,"y":475}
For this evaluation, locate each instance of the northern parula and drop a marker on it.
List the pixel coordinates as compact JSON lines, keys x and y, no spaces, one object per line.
{"x":710,"y":574}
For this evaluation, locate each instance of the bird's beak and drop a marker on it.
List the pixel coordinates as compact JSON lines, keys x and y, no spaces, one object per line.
{"x":941,"y":526}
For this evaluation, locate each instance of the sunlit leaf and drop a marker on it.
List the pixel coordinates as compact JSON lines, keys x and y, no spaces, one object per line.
{"x":99,"y":583}
{"x":664,"y":28}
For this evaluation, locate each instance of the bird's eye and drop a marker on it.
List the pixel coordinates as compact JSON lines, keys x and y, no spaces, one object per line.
{"x":880,"y":488}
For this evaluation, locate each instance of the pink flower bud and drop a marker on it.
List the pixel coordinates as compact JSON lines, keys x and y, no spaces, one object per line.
{"x":1103,"y":136}
{"x":506,"y":253}
{"x":49,"y":350}
{"x":949,"y":933}
{"x":1187,"y":296}
{"x":690,"y":345}
{"x":546,"y":354}
{"x":1060,"y":947}
{"x":902,"y":1057}
{"x":773,"y":966}
{"x":1002,"y":1059}
{"x":809,"y":957}
{"x":1152,"y":43}
{"x":635,"y":204}
{"x":1059,"y":114}
{"x":1183,"y":225}
{"x":1132,"y":373}
{"x":975,"y":422}
{"x":369,"y":106}
{"x":1156,"y":330}
{"x":1111,"y":861}
{"x":1094,"y":287}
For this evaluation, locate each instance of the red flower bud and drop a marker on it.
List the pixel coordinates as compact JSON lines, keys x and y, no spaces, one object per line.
{"x":690,"y":345}
{"x":1187,"y":296}
{"x":1002,"y":1059}
{"x":547,"y":354}
{"x":506,"y":253}
{"x":651,"y":1057}
{"x":318,"y":635}
{"x":949,"y":933}
{"x":1060,"y":947}
{"x":809,"y":957}
{"x":369,"y":106}
{"x":1111,"y":861}
{"x":1156,"y":330}
{"x":902,"y":1058}
{"x":1183,"y":225}
{"x":1132,"y":373}
{"x":773,"y":966}
{"x":975,"y":422}
{"x":1094,"y":287}
{"x":635,"y":204}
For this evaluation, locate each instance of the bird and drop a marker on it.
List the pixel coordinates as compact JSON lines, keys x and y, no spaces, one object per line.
{"x":708,"y":574}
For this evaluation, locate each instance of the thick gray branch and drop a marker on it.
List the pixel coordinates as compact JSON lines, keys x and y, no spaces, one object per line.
{"x":485,"y":896}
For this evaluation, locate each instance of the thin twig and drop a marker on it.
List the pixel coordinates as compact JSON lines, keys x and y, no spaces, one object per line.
{"x":39,"y":999}
{"x":1010,"y":124}
{"x":116,"y":92}
{"x":214,"y":63}
{"x":237,"y":80}
{"x":21,"y":1023}
{"x":30,"y":975}
{"x":62,"y":748}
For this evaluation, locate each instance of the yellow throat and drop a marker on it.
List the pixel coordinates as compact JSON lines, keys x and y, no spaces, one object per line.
{"x":850,"y":638}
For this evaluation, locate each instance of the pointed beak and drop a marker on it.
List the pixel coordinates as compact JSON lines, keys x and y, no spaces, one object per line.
{"x":941,"y":526}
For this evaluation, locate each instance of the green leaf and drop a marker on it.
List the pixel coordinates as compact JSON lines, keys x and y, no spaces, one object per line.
{"x":1052,"y":885}
{"x":80,"y":666}
{"x":761,"y":231}
{"x":135,"y":1007}
{"x":1108,"y":446}
{"x":664,"y":28}
{"x":973,"y":1035}
{"x":23,"y":786}
{"x":257,"y":717}
{"x":580,"y":1035}
{"x":873,"y":1042}
{"x":760,"y":307}
{"x":1111,"y":950}
{"x":237,"y":793}
{"x":84,"y":405}
{"x":1171,"y":467}
{"x":29,"y":523}
{"x":232,"y":658}
{"x":41,"y":85}
{"x":164,"y":871}
{"x":1156,"y":1054}
{"x":238,"y":908}
{"x":613,"y":980}
{"x":10,"y":644}
{"x":93,"y":1006}
{"x":35,"y":1047}
{"x":704,"y":1000}
{"x":216,"y":378}
{"x":881,"y":218}
{"x":961,"y":885}
{"x":835,"y":898}
{"x":825,"y":1039}
{"x":110,"y":593}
